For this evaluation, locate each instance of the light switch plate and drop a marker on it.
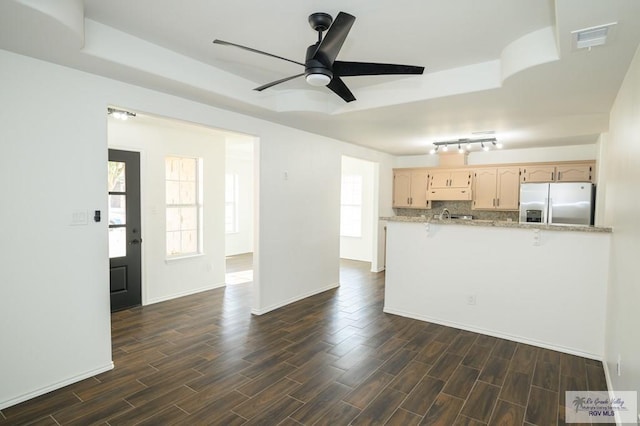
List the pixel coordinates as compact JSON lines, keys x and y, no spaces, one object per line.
{"x":79,"y":217}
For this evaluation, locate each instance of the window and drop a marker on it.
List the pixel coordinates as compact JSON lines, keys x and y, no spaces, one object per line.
{"x":351,"y":206}
{"x":231,"y":203}
{"x":184,"y":206}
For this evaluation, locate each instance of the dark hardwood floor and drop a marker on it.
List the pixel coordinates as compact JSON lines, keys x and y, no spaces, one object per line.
{"x":331,"y":359}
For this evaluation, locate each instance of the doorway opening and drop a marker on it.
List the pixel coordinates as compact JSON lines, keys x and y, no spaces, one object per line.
{"x":358,"y":210}
{"x":239,"y":209}
{"x":184,"y":249}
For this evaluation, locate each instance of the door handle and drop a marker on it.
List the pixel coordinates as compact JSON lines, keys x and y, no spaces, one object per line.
{"x":135,"y":241}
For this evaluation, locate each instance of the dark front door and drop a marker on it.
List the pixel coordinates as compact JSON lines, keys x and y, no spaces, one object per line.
{"x":125,"y":237}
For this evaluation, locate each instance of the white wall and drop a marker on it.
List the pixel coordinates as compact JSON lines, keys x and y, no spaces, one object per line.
{"x":239,"y":161}
{"x":622,"y":204}
{"x":54,"y":291}
{"x":156,"y":139}
{"x":502,"y":156}
{"x":361,"y":248}
{"x":55,"y":115}
{"x":525,"y":292}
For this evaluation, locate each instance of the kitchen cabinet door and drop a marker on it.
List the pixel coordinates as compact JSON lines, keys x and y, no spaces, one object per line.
{"x":484,"y":194}
{"x":450,"y":179}
{"x":538,"y":174}
{"x":439,"y":179}
{"x":460,"y":179}
{"x":575,"y":173}
{"x":508,"y":188}
{"x":402,"y":188}
{"x":419,"y":183}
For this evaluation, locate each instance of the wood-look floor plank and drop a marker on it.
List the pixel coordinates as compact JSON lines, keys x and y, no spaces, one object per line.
{"x":166,"y":417}
{"x":461,"y":382}
{"x":542,"y":407}
{"x":476,"y":357}
{"x":547,"y":376}
{"x":494,"y":371}
{"x":410,"y":376}
{"x":504,"y":349}
{"x":361,"y":396}
{"x":143,"y":412}
{"x":340,"y":413}
{"x":524,"y":359}
{"x":314,"y":410}
{"x":423,"y":395}
{"x":380,"y":409}
{"x":316,"y":383}
{"x":431,"y":353}
{"x":403,"y":417}
{"x":254,"y":406}
{"x":596,"y":380}
{"x":279,"y":411}
{"x":214,"y":411}
{"x":481,"y":401}
{"x":445,"y":366}
{"x":41,"y":406}
{"x":467,"y":421}
{"x":444,"y":411}
{"x":516,"y":388}
{"x":506,"y":414}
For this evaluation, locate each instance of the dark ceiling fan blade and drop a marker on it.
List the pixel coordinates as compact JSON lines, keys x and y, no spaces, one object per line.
{"x":339,"y":88}
{"x":350,"y":69}
{"x":334,"y":39}
{"x":227,"y":43}
{"x":273,"y":83}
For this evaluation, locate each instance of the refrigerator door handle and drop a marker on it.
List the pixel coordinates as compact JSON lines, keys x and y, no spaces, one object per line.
{"x":550,"y":209}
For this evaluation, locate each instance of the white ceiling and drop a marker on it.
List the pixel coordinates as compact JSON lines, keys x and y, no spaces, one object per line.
{"x":500,"y":65}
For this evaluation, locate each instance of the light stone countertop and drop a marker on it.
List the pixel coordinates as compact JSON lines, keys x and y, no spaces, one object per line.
{"x":496,"y":224}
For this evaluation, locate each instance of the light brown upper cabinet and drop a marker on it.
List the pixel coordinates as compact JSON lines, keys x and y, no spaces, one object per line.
{"x":496,"y":188}
{"x":532,"y":174}
{"x":449,"y":184}
{"x":574,"y":172}
{"x":410,"y":188}
{"x":454,"y":178}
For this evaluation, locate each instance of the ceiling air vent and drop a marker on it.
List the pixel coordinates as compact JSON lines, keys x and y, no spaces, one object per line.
{"x":590,"y":37}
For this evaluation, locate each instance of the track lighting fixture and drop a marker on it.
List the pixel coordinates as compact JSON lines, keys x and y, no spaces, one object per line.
{"x":120,"y":114}
{"x":468,"y":142}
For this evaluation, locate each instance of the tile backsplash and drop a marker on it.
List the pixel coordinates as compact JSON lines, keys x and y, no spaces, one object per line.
{"x":461,"y":208}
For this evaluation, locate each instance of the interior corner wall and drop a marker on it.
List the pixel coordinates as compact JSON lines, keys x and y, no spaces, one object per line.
{"x":156,"y":139}
{"x":53,"y":132}
{"x":239,"y":161}
{"x":622,"y":206}
{"x":360,"y":248}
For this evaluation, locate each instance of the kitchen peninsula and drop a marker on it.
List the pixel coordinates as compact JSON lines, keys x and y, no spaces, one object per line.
{"x":538,"y":284}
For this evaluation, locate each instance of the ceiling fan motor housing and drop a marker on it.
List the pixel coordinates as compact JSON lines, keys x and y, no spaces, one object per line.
{"x":313,"y":66}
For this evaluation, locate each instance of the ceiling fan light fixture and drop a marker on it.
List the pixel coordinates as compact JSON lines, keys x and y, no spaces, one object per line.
{"x":318,"y":79}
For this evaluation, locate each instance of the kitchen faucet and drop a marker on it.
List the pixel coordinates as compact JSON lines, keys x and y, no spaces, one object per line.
{"x":445,"y":211}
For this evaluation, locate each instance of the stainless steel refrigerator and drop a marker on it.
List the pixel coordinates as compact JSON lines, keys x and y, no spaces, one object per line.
{"x":562,"y":203}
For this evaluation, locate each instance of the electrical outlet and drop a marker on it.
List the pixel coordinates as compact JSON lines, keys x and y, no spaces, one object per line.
{"x":471,"y":299}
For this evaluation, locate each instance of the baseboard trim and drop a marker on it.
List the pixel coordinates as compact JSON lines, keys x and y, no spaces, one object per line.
{"x":494,"y":333}
{"x":27,"y":396}
{"x":294,"y":299}
{"x":182,"y":294}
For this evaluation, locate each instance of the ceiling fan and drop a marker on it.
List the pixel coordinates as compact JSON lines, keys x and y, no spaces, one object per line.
{"x":321,"y":67}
